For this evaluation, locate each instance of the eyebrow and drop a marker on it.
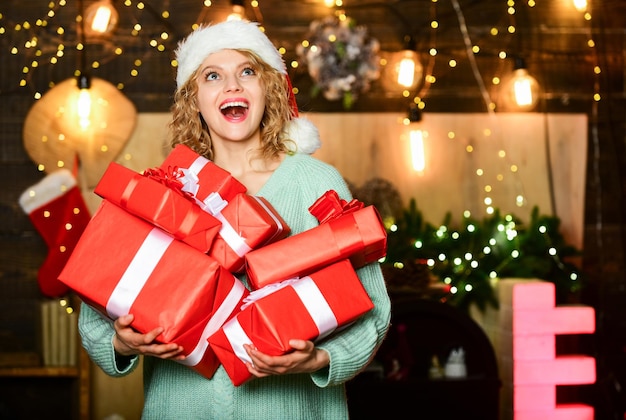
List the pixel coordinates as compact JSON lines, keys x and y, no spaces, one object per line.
{"x":244,"y":64}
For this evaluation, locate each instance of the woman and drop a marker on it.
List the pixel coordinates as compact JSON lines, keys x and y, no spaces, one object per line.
{"x":234,"y":105}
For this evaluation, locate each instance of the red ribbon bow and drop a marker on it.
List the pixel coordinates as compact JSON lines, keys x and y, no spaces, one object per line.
{"x":169,"y":177}
{"x":330,"y":206}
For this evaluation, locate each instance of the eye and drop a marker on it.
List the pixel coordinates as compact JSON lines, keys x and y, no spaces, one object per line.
{"x":248,"y":71}
{"x":211,"y":75}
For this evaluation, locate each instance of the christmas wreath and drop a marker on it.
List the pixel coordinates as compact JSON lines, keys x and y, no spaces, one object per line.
{"x":342,"y":59}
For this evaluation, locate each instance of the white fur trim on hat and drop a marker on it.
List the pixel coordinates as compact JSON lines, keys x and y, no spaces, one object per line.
{"x":228,"y":35}
{"x":50,"y":188}
{"x":305,"y":134}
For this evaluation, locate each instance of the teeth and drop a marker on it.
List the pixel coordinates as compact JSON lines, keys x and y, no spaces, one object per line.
{"x":231,"y":104}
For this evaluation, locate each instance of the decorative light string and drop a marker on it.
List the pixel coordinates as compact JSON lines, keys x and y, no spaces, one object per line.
{"x":595,"y":139}
{"x":29,"y":40}
{"x":471,"y":50}
{"x":429,"y":78}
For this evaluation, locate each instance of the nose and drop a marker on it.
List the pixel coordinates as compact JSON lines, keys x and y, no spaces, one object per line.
{"x":232,"y":84}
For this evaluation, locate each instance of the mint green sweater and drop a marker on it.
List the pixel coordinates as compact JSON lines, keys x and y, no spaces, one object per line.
{"x":173,"y":391}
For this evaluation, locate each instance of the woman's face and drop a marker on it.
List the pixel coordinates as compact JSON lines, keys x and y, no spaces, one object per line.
{"x":231,"y":97}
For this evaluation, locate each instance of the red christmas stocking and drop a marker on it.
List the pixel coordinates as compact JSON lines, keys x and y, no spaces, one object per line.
{"x":57,"y":209}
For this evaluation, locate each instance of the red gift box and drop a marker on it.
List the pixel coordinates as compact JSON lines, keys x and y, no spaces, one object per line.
{"x":123,"y":264}
{"x":357,"y":233}
{"x":203,"y":177}
{"x":307,"y":308}
{"x":248,"y":222}
{"x":156,"y":197}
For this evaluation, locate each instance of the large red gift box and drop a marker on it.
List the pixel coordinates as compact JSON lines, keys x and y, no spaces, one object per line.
{"x":357,"y":234}
{"x":123,"y":264}
{"x":203,"y":177}
{"x":307,"y":308}
{"x":156,"y":197}
{"x":248,"y":222}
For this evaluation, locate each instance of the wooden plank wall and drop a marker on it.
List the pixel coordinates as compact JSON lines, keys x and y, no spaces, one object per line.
{"x":545,"y":148}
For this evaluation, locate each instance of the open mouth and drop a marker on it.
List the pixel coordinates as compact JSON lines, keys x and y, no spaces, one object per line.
{"x":234,"y":110}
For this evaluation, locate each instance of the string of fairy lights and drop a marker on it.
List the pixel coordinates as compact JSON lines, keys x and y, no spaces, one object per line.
{"x":51,"y":48}
{"x":28,"y":44}
{"x":39,"y":51}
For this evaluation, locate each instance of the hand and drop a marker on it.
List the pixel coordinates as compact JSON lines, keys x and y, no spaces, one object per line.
{"x":305,"y":358}
{"x":129,"y":342}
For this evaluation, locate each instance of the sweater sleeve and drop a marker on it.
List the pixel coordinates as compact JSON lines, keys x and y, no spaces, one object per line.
{"x":304,"y":179}
{"x":353,"y":348}
{"x":97,"y":333}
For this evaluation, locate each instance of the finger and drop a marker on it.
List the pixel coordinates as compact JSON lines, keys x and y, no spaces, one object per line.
{"x":253,"y":354}
{"x":302,"y":345}
{"x":261,"y":361}
{"x":173,"y":354}
{"x":152,"y":335}
{"x":164,"y":351}
{"x":124,"y":321}
{"x":255,"y":372}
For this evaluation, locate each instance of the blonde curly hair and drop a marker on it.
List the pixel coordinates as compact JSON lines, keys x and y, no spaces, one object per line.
{"x":189,"y":128}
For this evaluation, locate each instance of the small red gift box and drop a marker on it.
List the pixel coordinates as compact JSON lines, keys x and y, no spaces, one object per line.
{"x":356,"y":233}
{"x":202,"y":177}
{"x":156,"y":197}
{"x":248,"y":222}
{"x":123,"y":265}
{"x":307,"y":308}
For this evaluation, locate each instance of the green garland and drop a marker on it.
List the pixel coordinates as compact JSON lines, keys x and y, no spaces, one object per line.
{"x":468,"y":259}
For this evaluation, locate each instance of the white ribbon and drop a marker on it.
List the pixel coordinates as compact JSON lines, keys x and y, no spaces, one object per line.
{"x":214,"y":204}
{"x":198,"y":164}
{"x":266,"y":290}
{"x":237,"y":337}
{"x":190,"y":181}
{"x":217,"y":320}
{"x":279,"y":225}
{"x":312,"y":299}
{"x":137,"y":273}
{"x":316,"y":305}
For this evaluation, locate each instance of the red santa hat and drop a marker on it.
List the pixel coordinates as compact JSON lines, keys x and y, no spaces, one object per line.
{"x":244,"y":35}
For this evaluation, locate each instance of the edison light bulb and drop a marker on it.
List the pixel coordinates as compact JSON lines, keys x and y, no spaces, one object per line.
{"x":83,"y":108}
{"x":406,"y":72}
{"x":239,"y":11}
{"x":101,"y":19}
{"x":417,"y":150}
{"x":408,"y":69}
{"x":580,"y":5}
{"x":523,"y":92}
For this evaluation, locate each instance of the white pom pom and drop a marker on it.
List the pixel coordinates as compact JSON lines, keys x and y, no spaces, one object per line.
{"x":305,"y":134}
